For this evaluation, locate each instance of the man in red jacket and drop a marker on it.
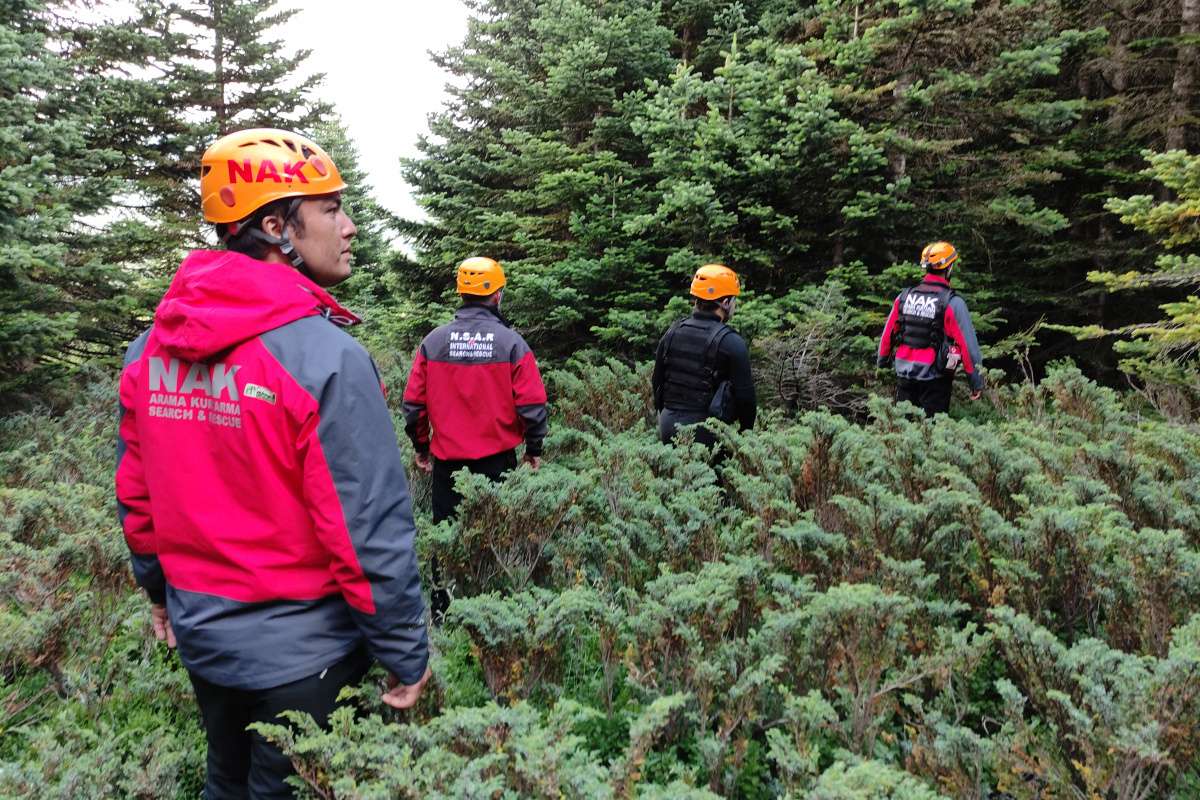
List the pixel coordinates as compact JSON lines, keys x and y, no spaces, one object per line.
{"x":474,"y":393}
{"x":928,"y":336}
{"x":258,"y":480}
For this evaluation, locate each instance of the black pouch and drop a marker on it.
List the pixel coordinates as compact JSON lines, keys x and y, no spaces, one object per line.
{"x":721,"y":405}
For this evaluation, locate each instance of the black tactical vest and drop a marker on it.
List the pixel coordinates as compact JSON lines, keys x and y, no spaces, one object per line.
{"x":690,"y":363}
{"x":921,"y":321}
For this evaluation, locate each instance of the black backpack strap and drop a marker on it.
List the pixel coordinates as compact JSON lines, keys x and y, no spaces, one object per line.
{"x":898,"y":331}
{"x":713,"y":344}
{"x":945,"y":295}
{"x":670,"y":337}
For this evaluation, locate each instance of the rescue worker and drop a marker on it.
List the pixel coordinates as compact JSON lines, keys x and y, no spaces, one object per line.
{"x":474,"y":393}
{"x":702,"y":366}
{"x":929,"y":335}
{"x":259,"y":482}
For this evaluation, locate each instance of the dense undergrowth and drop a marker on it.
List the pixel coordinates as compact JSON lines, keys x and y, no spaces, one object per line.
{"x":1003,"y":607}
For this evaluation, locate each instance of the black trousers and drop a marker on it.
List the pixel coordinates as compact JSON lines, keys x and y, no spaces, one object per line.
{"x":669,"y":420}
{"x":933,"y":396}
{"x":445,"y":500}
{"x":445,"y":504}
{"x":244,"y":765}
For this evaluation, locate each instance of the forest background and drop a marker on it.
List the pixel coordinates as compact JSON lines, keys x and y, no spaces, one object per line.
{"x":1002,"y":604}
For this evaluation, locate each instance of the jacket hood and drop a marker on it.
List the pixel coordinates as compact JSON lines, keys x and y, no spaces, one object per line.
{"x":218,"y":299}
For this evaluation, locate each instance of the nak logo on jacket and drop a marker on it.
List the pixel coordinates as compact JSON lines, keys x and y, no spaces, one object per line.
{"x":920,"y":305}
{"x":206,"y":393}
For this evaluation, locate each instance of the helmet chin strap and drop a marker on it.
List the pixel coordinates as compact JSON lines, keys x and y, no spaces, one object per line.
{"x":283,"y":241}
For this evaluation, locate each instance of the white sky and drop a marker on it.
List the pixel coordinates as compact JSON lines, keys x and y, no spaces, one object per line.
{"x":379,"y":77}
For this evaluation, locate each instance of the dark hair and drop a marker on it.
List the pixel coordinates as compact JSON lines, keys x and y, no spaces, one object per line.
{"x":243,"y":242}
{"x":709,"y":306}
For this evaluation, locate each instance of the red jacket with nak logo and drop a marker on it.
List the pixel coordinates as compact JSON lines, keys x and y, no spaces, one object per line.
{"x":259,"y":483}
{"x":474,"y":390}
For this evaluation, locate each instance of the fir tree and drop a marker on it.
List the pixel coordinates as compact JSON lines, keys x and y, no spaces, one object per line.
{"x":1162,"y":352}
{"x":191,"y":71}
{"x":62,"y":300}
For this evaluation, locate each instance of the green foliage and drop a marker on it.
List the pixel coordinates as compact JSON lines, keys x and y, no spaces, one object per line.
{"x":1162,"y":353}
{"x":210,"y":67}
{"x":849,"y":601}
{"x":107,"y":108}
{"x":899,"y":608}
{"x":63,"y":296}
{"x":870,"y":781}
{"x":91,"y":708}
{"x":603,"y":150}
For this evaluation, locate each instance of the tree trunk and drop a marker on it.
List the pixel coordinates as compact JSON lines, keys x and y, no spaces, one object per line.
{"x":219,"y":62}
{"x":1183,"y":87}
{"x":897,"y":158}
{"x":1117,"y":72}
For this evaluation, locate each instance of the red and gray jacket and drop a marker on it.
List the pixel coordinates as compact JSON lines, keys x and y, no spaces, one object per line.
{"x":259,"y":483}
{"x":926,"y":320}
{"x":474,"y":390}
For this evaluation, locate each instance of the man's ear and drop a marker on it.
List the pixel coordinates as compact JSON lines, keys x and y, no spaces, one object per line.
{"x":272,"y":225}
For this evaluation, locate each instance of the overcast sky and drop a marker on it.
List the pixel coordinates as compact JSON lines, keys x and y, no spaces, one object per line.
{"x":378,"y":75}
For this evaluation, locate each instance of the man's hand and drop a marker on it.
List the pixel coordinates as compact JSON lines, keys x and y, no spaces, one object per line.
{"x":161,"y":624}
{"x":977,"y":395}
{"x":401,"y":696}
{"x":534,"y":462}
{"x":424,"y":462}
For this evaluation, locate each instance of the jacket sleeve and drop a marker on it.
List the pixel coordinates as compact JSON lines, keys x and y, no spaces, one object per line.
{"x":416,"y":412}
{"x":529,"y":394}
{"x":742,"y":376}
{"x":962,"y":332}
{"x":133,"y":494}
{"x":357,"y":495}
{"x":885,"y":356}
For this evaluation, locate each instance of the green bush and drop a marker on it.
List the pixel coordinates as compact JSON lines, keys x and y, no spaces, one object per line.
{"x":1007,"y":606}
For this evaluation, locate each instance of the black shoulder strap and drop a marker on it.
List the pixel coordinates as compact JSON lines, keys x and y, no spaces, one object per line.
{"x":945,"y":295}
{"x":670,"y":337}
{"x":898,"y":331}
{"x":714,"y":343}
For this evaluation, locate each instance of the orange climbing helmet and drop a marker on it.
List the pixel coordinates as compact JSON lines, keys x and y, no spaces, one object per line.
{"x":714,"y":281}
{"x":938,"y":256}
{"x":242,"y":172}
{"x":480,"y":276}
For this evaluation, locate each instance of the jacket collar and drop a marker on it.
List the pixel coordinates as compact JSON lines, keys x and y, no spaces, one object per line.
{"x":481,"y":311}
{"x":939,"y":280}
